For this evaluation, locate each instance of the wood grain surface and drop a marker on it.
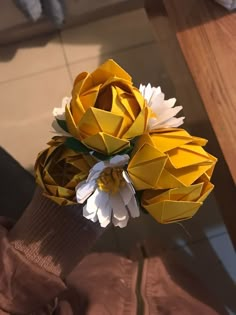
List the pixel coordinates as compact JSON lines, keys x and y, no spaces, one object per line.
{"x":207,"y":35}
{"x":187,"y":93}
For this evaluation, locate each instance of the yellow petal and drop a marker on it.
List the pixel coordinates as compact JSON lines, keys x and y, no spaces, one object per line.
{"x":139,"y":125}
{"x":199,"y":141}
{"x":172,"y":138}
{"x":146,"y":167}
{"x":82,"y":83}
{"x":173,"y":211}
{"x":188,"y":175}
{"x":89,"y":98}
{"x":96,"y":120}
{"x":71,"y":123}
{"x":187,"y":155}
{"x":207,"y":187}
{"x":168,"y":180}
{"x":52,"y":189}
{"x":168,"y":211}
{"x":109,"y":69}
{"x":105,"y":143}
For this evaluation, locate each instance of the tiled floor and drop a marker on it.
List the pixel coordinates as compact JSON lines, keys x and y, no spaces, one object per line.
{"x":36,"y":74}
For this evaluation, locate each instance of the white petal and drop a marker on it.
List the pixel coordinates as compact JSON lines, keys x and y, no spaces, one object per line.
{"x":92,"y":202}
{"x":104,"y":213}
{"x":133,"y":208}
{"x":170,"y":102}
{"x":90,"y":216}
{"x":98,"y":167}
{"x":96,"y":170}
{"x":120,"y":223}
{"x":84,"y":190}
{"x":118,"y":207}
{"x":126,"y":194}
{"x":163,"y":109}
{"x":105,"y":223}
{"x":102,"y":200}
{"x":163,"y":119}
{"x":174,"y":122}
{"x":148,"y":92}
{"x":156,"y":101}
{"x":93,"y":175}
{"x":141,"y":89}
{"x":169,"y":113}
{"x":119,"y":160}
{"x":59,"y":112}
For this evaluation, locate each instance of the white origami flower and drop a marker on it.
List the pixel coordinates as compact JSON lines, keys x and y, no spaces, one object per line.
{"x":59,"y":113}
{"x":109,"y":193}
{"x":163,"y":110}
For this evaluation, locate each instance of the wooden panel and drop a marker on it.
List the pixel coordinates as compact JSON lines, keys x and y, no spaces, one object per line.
{"x":197,"y":120}
{"x":207,"y":35}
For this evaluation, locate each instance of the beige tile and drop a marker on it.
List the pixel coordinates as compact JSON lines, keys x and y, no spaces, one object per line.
{"x":107,"y":35}
{"x":32,"y":56}
{"x":143,"y":63}
{"x":26,"y":113}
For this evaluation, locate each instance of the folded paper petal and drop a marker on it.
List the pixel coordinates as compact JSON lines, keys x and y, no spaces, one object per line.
{"x":146,"y":166}
{"x":107,"y":108}
{"x":58,"y":170}
{"x":176,"y":204}
{"x":105,"y":143}
{"x":169,"y":158}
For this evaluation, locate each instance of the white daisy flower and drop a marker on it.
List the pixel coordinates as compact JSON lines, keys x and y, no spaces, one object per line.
{"x":59,"y":113}
{"x":109,"y":193}
{"x":163,"y":110}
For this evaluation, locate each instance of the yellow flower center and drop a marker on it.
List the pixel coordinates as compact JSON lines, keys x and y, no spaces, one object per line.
{"x":111,"y":180}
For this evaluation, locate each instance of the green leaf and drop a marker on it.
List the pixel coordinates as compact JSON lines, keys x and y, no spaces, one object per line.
{"x":62,"y":124}
{"x":76,"y":145}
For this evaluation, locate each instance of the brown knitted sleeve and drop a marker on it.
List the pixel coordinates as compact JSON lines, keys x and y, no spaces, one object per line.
{"x":53,"y":237}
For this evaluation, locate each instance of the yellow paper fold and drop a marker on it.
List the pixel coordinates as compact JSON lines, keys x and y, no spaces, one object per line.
{"x":58,"y":170}
{"x":105,"y":103}
{"x":176,"y":204}
{"x":183,"y":160}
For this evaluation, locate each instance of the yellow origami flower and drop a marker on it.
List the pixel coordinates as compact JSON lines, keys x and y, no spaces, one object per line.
{"x":106,"y":110}
{"x":58,"y":170}
{"x":169,"y":158}
{"x":176,"y":204}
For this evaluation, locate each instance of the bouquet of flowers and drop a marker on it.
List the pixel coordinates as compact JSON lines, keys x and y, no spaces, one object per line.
{"x":119,"y":149}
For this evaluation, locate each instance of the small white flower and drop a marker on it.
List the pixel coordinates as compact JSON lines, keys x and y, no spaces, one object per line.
{"x":59,"y":113}
{"x":164,"y":110}
{"x":109,"y":193}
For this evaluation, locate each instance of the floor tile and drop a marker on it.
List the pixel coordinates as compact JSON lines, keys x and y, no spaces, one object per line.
{"x":143,"y":63}
{"x":107,"y":35}
{"x":32,"y":56}
{"x":26,"y":113}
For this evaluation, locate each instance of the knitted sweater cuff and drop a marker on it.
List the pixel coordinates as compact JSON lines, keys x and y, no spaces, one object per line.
{"x":54,"y":237}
